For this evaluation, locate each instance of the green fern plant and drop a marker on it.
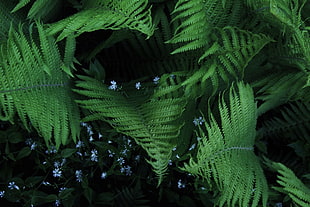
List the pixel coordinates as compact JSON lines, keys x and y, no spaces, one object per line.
{"x":34,"y":85}
{"x":109,"y":14}
{"x":225,"y":157}
{"x":151,"y":121}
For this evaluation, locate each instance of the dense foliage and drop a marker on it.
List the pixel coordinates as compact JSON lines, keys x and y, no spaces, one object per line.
{"x":159,"y":102}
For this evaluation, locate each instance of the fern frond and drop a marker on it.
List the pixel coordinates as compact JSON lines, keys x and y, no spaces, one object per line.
{"x":109,"y":14}
{"x":152,"y":122}
{"x":8,"y":19}
{"x":225,"y":154}
{"x":291,"y":185}
{"x":33,"y":85}
{"x":278,"y":88}
{"x":231,"y":51}
{"x":295,"y":121}
{"x":199,"y":17}
{"x":40,"y":9}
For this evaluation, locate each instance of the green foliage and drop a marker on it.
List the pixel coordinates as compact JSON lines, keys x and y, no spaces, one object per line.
{"x":222,"y":151}
{"x":291,"y":185}
{"x":151,"y":121}
{"x":106,"y":15}
{"x":143,"y":75}
{"x":34,"y":86}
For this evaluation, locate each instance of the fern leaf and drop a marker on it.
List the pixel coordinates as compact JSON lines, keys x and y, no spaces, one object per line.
{"x":278,"y":88}
{"x":152,"y":122}
{"x":199,"y":17}
{"x":33,"y":85}
{"x":40,"y":9}
{"x":225,"y":154}
{"x":109,"y":14}
{"x":20,"y":5}
{"x":229,"y":55}
{"x":291,"y":185}
{"x":294,"y":122}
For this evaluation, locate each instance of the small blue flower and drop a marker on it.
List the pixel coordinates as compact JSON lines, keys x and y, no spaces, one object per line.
{"x":156,"y":80}
{"x":78,"y":175}
{"x":121,"y":160}
{"x":94,"y":155}
{"x":46,"y":183}
{"x":57,"y":164}
{"x":12,"y":186}
{"x":51,"y":150}
{"x":127,"y":170}
{"x":2,"y":194}
{"x":104,"y":175}
{"x":113,"y":85}
{"x":57,"y":172}
{"x":192,"y":147}
{"x":181,"y":184}
{"x":79,"y":144}
{"x":198,"y":120}
{"x":57,"y":202}
{"x":138,"y":85}
{"x":33,"y":146}
{"x":62,"y":189}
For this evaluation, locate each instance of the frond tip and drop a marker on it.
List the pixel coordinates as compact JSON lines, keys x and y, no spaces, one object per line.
{"x":225,"y":154}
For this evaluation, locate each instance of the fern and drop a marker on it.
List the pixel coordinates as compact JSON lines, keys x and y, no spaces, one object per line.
{"x":291,"y":185}
{"x":278,"y":88}
{"x":40,"y":9}
{"x":200,"y":19}
{"x":33,"y":85}
{"x":295,"y":121}
{"x":152,"y":122}
{"x":109,"y":14}
{"x":225,"y":154}
{"x":230,"y":53}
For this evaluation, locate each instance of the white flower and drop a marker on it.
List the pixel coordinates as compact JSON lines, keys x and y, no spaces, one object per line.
{"x":78,"y":175}
{"x":113,"y":85}
{"x":138,"y":85}
{"x":12,"y":186}
{"x":156,"y":80}
{"x":104,"y":175}
{"x":57,"y":172}
{"x":62,"y":189}
{"x":2,"y":194}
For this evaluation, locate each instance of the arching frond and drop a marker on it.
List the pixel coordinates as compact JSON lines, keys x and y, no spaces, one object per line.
{"x":109,"y":14}
{"x":231,"y":51}
{"x":225,"y":153}
{"x":33,"y":85}
{"x":291,"y":185}
{"x":152,"y":122}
